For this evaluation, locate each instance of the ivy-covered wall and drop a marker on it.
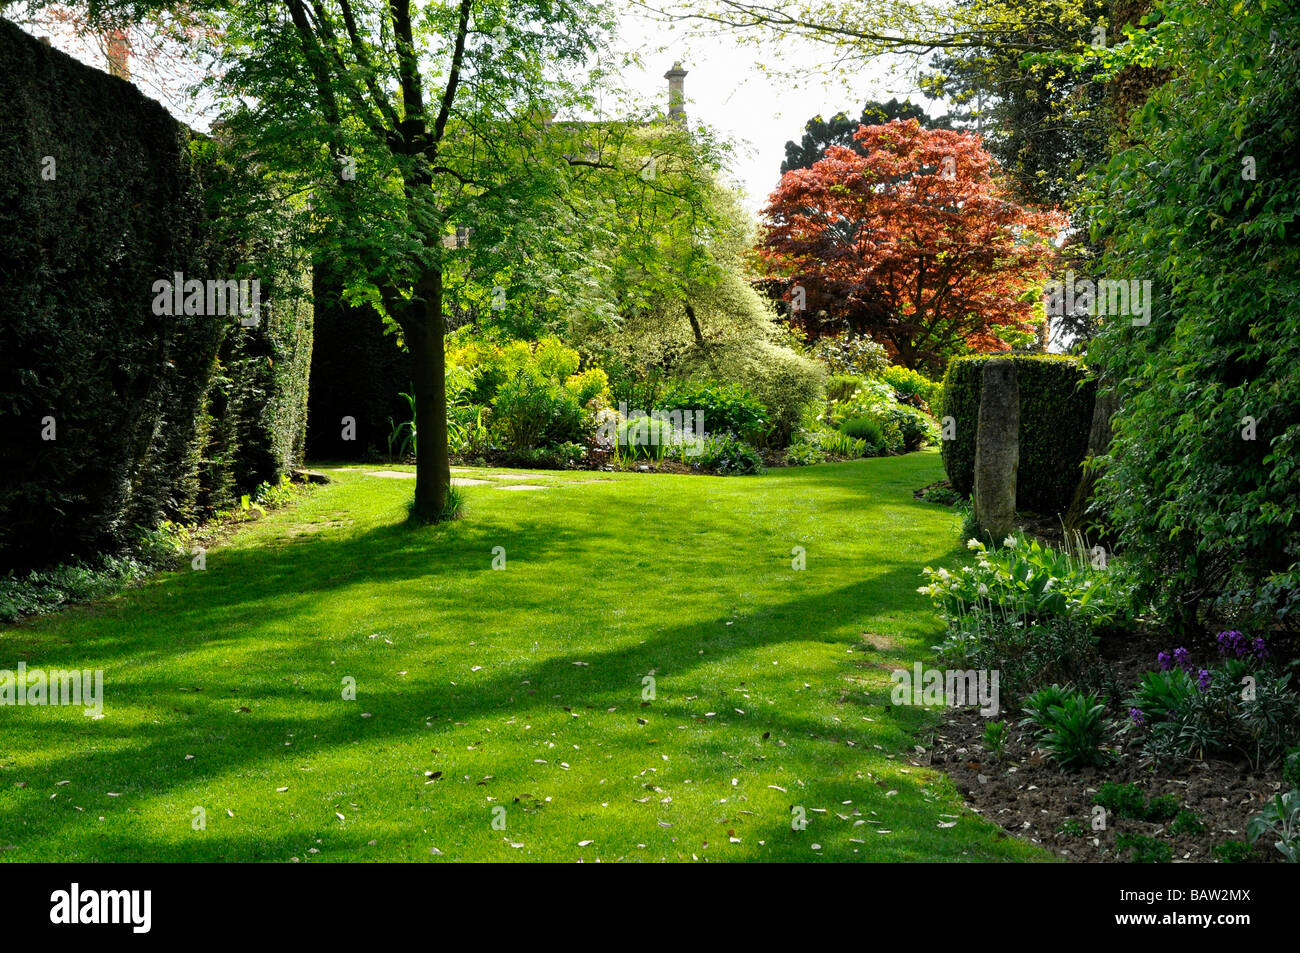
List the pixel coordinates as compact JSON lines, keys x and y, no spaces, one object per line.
{"x":112,"y":416}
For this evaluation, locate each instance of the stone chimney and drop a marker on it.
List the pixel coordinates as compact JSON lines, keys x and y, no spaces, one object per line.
{"x":676,"y":92}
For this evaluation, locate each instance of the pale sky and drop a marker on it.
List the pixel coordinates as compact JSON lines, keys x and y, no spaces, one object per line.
{"x":726,"y":89}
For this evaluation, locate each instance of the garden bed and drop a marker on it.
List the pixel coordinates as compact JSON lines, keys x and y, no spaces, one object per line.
{"x":1026,"y":794}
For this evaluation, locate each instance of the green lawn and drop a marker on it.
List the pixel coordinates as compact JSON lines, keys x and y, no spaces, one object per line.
{"x":522,"y":686}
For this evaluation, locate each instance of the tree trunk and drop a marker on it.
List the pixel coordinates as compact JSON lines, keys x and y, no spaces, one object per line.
{"x":424,"y":336}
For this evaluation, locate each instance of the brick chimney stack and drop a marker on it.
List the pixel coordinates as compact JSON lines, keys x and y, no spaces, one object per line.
{"x":676,"y":92}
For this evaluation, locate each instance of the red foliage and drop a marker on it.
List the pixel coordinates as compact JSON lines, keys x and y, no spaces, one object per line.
{"x":915,"y":243}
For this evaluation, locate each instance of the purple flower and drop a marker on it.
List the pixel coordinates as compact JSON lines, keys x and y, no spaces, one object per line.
{"x":1203,"y":679}
{"x":1165,"y":663}
{"x":1231,"y":642}
{"x":1180,"y":657}
{"x":1260,"y":649}
{"x":1139,"y":719}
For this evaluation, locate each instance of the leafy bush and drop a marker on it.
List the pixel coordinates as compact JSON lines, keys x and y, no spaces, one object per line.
{"x":530,"y":411}
{"x":1145,"y":850}
{"x":855,"y":354}
{"x":1233,"y":851}
{"x":556,"y":361}
{"x":790,"y":387}
{"x":728,"y":455}
{"x":910,"y":383}
{"x":1240,"y":706}
{"x":902,"y":428}
{"x":1198,"y":500}
{"x":915,"y":428}
{"x":842,"y":386}
{"x":1280,"y":819}
{"x":1029,"y":580}
{"x":1070,"y":726}
{"x":1056,"y":401}
{"x":1185,"y":822}
{"x":1028,"y":656}
{"x":864,"y":428}
{"x":727,"y":408}
{"x":817,"y":444}
{"x":803,"y":454}
{"x":647,"y":438}
{"x":1291,"y":768}
{"x":591,"y":383}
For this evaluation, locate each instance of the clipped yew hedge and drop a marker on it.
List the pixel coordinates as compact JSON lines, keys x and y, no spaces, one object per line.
{"x":1056,"y":398}
{"x":103,"y":193}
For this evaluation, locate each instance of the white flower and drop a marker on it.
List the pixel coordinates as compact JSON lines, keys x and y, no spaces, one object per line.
{"x":974,"y":543}
{"x":1010,"y":541}
{"x":984,"y":590}
{"x":944,"y":575}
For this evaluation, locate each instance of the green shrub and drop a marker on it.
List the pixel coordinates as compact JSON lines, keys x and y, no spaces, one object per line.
{"x":157,"y":416}
{"x":842,"y":386}
{"x":1291,"y":768}
{"x":790,"y":386}
{"x":1070,"y":726}
{"x":855,"y":354}
{"x":1185,"y":822}
{"x":910,"y":383}
{"x":555,"y":360}
{"x":1233,"y":851}
{"x":1281,"y":819}
{"x":1027,"y":655}
{"x":728,"y":455}
{"x":1203,"y":503}
{"x":915,"y":427}
{"x":864,"y":428}
{"x":727,"y":408}
{"x":1145,"y":850}
{"x":593,"y":382}
{"x":647,"y":438}
{"x":1056,"y":399}
{"x":804,"y":454}
{"x":1122,"y":800}
{"x":530,"y":411}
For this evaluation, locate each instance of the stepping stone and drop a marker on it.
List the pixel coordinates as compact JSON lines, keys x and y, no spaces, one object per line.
{"x":512,"y":476}
{"x":522,"y":486}
{"x":391,"y":474}
{"x":465,"y":481}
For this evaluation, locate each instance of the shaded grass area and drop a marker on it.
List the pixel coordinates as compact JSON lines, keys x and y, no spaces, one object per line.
{"x":523,"y":688}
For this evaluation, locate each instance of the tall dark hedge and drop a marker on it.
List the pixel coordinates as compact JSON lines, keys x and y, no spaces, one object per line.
{"x":1056,"y":398}
{"x":147,"y":409}
{"x":358,"y":371}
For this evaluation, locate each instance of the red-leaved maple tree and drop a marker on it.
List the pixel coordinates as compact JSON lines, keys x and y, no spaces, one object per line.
{"x":915,"y":243}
